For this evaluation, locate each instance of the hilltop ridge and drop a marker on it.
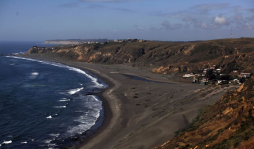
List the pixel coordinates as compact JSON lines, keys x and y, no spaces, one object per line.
{"x":163,"y":57}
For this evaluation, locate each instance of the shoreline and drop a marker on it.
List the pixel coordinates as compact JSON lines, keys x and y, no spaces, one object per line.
{"x":105,"y":103}
{"x":138,"y":113}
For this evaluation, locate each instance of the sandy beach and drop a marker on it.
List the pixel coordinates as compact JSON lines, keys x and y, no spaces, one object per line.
{"x":142,"y":109}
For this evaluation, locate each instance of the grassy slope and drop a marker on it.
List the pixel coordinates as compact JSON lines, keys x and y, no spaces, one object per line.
{"x":227,"y":124}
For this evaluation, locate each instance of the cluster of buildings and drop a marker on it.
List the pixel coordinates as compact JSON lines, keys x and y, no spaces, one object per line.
{"x":129,"y":40}
{"x":204,"y":77}
{"x":92,"y":42}
{"x":116,"y":40}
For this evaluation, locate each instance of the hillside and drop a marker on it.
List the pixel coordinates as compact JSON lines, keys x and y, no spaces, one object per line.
{"x":164,"y":57}
{"x":226,"y":124}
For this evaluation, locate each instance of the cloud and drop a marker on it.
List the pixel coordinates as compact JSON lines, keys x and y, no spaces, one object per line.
{"x":123,"y":9}
{"x":203,"y":25}
{"x":251,"y":10}
{"x":199,"y":17}
{"x":139,"y":28}
{"x":237,"y":9}
{"x":95,"y":6}
{"x":69,"y":5}
{"x":247,"y":26}
{"x":101,"y":6}
{"x":238,"y":17}
{"x":220,"y":20}
{"x":205,"y":8}
{"x":251,"y":18}
{"x":169,"y":26}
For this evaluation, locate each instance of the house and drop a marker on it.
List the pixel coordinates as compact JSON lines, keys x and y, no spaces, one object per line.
{"x":188,"y":75}
{"x":205,"y":70}
{"x":205,"y":79}
{"x":220,"y":82}
{"x":213,"y":67}
{"x":244,"y":75}
{"x":195,"y":81}
{"x":218,"y":70}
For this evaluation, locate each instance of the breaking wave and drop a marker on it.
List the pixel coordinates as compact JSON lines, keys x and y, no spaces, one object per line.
{"x":93,"y":79}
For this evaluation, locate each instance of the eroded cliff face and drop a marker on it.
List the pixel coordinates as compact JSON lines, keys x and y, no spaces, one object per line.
{"x":163,"y":57}
{"x":227,"y":124}
{"x":227,"y":63}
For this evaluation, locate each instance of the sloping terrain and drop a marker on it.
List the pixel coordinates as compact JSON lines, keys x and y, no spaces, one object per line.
{"x":226,"y":124}
{"x":164,"y":57}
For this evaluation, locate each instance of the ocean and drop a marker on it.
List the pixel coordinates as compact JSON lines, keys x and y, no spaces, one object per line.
{"x":45,"y":104}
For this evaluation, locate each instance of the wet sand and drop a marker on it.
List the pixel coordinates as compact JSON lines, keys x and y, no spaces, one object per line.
{"x":144,"y":111}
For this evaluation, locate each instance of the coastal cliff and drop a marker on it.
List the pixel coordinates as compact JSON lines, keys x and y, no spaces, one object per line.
{"x":164,"y":57}
{"x":226,"y":124}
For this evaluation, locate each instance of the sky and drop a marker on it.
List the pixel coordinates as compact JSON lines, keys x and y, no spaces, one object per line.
{"x":167,"y":20}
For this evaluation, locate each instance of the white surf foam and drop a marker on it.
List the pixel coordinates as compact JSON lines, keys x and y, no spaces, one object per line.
{"x":94,"y":80}
{"x":35,"y":73}
{"x":89,"y":118}
{"x":23,"y":142}
{"x":47,"y":141}
{"x":64,"y":100}
{"x":49,"y":117}
{"x":55,"y":135}
{"x":59,"y":107}
{"x":7,"y":142}
{"x":74,"y":91}
{"x":19,"y":53}
{"x":94,"y":97}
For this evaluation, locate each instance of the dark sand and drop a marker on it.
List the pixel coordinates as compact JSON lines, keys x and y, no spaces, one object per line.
{"x":141,"y":114}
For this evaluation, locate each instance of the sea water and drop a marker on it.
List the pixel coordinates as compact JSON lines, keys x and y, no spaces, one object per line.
{"x":44,"y":104}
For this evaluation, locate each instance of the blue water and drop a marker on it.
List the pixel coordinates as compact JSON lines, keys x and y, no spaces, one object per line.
{"x":44,"y":104}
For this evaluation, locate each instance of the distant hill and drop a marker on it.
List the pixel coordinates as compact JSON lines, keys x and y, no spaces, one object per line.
{"x":73,"y":41}
{"x":164,"y":57}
